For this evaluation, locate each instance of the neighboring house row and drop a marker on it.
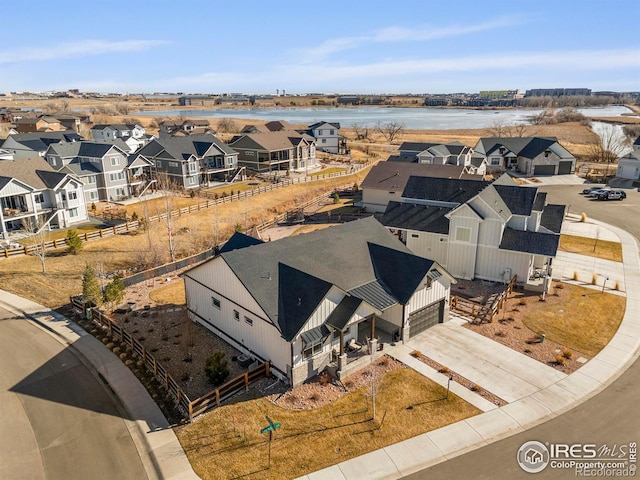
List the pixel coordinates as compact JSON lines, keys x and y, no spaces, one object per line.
{"x":454,"y":153}
{"x":386,"y":181}
{"x":480,"y":230}
{"x":192,"y":161}
{"x":27,"y":145}
{"x":327,"y":134}
{"x":32,"y":192}
{"x":527,"y":155}
{"x":44,"y":123}
{"x":300,"y":302}
{"x":134,"y":135}
{"x":107,"y":172}
{"x":271,"y":151}
{"x":171,"y":128}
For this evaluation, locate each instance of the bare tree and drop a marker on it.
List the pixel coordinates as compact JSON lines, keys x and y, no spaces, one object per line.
{"x":168,"y":190}
{"x":390,"y":130}
{"x":360,"y":131}
{"x":610,"y":145}
{"x":37,"y":238}
{"x":227,"y":125}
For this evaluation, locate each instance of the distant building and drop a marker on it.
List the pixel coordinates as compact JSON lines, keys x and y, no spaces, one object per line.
{"x":558,"y":92}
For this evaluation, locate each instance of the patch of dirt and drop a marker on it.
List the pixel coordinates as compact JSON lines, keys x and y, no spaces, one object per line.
{"x":508,"y":329}
{"x":322,"y":390}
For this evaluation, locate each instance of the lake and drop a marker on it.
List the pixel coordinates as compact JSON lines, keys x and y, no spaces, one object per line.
{"x":412,"y":118}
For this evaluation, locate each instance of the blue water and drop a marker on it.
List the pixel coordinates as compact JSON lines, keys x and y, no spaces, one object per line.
{"x":412,"y":118}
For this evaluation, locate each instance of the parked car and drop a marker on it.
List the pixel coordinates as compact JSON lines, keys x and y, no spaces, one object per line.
{"x":612,"y":195}
{"x":587,"y":191}
{"x":599,"y":191}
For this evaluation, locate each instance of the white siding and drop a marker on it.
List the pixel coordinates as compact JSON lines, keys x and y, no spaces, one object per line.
{"x":462,"y":254}
{"x":14,"y":188}
{"x":490,"y":232}
{"x":518,"y":222}
{"x":433,"y":246}
{"x":376,"y":201}
{"x":262,"y":337}
{"x":500,"y":265}
{"x":426,"y":296}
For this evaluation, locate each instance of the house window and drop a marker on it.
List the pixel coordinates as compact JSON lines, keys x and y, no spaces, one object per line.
{"x":73,"y":195}
{"x":116,"y":176}
{"x":119,"y":192}
{"x":463,"y":234}
{"x":173,"y":164}
{"x":192,"y":167}
{"x":91,"y":179}
{"x":248,"y":321}
{"x":39,"y":198}
{"x":332,"y":132}
{"x":93,"y":195}
{"x":236,"y":315}
{"x":495,"y":160}
{"x":115,"y":161}
{"x":312,"y":349}
{"x":415,"y":235}
{"x":53,"y":161}
{"x":215,"y":302}
{"x":73,"y":212}
{"x":324,"y":140}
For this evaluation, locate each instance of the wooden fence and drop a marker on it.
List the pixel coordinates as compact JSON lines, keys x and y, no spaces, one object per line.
{"x":483,"y":313}
{"x":212,"y":399}
{"x":210,"y":201}
{"x":193,"y":408}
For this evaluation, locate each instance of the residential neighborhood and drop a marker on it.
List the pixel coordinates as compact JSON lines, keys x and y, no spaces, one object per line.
{"x":319,"y":242}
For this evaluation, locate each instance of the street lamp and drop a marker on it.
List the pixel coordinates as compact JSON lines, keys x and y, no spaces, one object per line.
{"x":604,"y":283}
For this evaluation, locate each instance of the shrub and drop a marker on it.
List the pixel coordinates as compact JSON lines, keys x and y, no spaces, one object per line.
{"x":128,"y":363}
{"x":523,"y":301}
{"x":74,"y":242}
{"x":443,"y":370}
{"x":123,"y":356}
{"x":560,"y":360}
{"x":617,"y":286}
{"x":116,"y":350}
{"x":559,"y":286}
{"x":527,"y":350}
{"x":583,"y":217}
{"x":567,"y":353}
{"x":575,"y":275}
{"x":416,"y":354}
{"x":500,"y":333}
{"x":110,"y":345}
{"x":594,"y":279}
{"x":140,"y":363}
{"x":314,"y":397}
{"x":474,"y":388}
{"x":216,"y":368}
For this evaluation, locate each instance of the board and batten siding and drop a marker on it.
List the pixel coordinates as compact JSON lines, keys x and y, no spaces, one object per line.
{"x":462,"y":253}
{"x":518,"y":222}
{"x":498,"y":265}
{"x":490,"y":232}
{"x":14,"y":188}
{"x":433,"y":246}
{"x":424,"y":296}
{"x":215,"y":279}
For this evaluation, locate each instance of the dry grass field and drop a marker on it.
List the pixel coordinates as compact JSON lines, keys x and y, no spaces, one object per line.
{"x":226,"y":443}
{"x":591,"y":247}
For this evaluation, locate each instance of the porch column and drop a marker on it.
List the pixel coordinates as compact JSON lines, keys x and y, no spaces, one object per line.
{"x":4,"y":227}
{"x":341,"y":343}
{"x":373,"y":326}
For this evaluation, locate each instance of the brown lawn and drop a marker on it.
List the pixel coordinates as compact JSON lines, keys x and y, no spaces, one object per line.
{"x":592,"y":247}
{"x":226,"y":443}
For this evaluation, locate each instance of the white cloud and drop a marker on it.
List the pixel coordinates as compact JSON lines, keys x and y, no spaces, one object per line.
{"x":403,"y":34}
{"x":76,"y":49}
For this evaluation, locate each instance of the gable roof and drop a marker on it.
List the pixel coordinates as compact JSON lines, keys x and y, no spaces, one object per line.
{"x":519,"y":200}
{"x":538,"y":243}
{"x":421,"y":218}
{"x":180,"y":148}
{"x":34,"y":171}
{"x":527,"y":147}
{"x":348,"y":256}
{"x":443,"y":189}
{"x":84,"y":148}
{"x":395,"y":175}
{"x":239,"y":240}
{"x":552,"y":217}
{"x":270,"y":141}
{"x":319,"y":124}
{"x":39,"y":141}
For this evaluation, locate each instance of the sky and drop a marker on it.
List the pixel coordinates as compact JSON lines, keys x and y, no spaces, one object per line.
{"x":425,"y":46}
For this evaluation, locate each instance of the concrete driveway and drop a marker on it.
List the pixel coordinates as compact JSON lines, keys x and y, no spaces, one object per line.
{"x":509,"y":374}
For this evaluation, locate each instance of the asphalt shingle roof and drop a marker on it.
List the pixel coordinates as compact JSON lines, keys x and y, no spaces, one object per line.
{"x":303,"y":267}
{"x":395,"y":175}
{"x":421,"y":218}
{"x":35,"y":172}
{"x":537,"y":243}
{"x":520,"y":200}
{"x":183,"y":147}
{"x":552,"y":217}
{"x":443,"y":189}
{"x":239,"y":240}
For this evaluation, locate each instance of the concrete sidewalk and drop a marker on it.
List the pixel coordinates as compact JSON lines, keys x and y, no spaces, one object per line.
{"x":158,"y":447}
{"x":552,"y":398}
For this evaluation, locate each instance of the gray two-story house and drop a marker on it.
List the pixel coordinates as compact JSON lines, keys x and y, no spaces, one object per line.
{"x":102,"y":167}
{"x":192,"y":161}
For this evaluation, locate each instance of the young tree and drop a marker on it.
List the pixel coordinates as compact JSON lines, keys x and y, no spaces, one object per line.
{"x":361,"y":132}
{"x":610,"y":145}
{"x":91,"y":291}
{"x":390,"y":130}
{"x":227,"y":125}
{"x":74,"y":242}
{"x":168,"y":190}
{"x":216,"y":368}
{"x":114,"y":291}
{"x":37,"y":237}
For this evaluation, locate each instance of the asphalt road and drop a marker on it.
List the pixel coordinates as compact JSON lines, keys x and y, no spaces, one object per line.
{"x":57,"y":420}
{"x":611,"y":417}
